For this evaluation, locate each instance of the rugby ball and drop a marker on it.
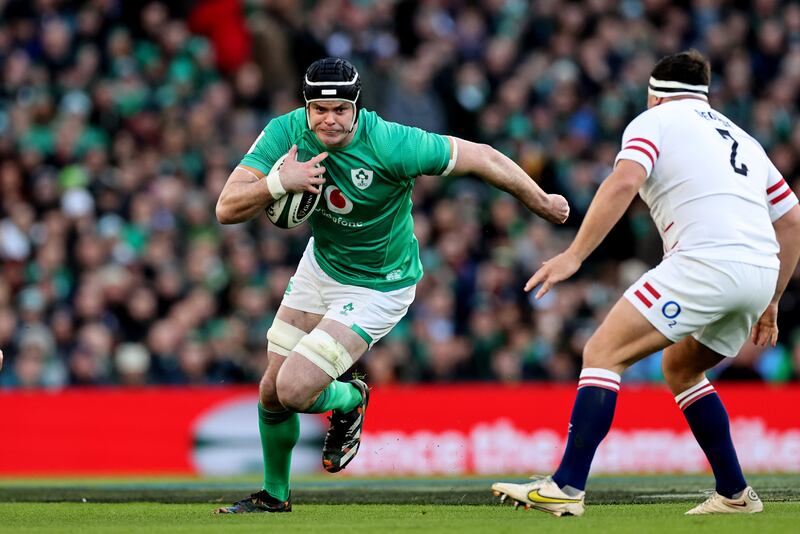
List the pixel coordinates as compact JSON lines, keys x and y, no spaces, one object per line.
{"x":291,"y":209}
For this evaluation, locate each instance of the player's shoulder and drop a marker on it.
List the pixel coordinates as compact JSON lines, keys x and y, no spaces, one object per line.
{"x":374,"y":124}
{"x":285,"y":129}
{"x":379,"y":133}
{"x":280,"y":133}
{"x":291,"y":121}
{"x":377,"y":125}
{"x":647,"y":119}
{"x":666,"y":115}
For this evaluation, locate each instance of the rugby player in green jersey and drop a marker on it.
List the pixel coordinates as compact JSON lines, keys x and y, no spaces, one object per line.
{"x":358,"y":274}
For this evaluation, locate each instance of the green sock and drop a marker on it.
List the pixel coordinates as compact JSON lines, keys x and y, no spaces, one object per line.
{"x":279,"y":434}
{"x":339,"y":396}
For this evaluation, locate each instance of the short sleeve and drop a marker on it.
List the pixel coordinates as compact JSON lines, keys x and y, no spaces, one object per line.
{"x":409,"y":152}
{"x":641,"y":141}
{"x":780,"y":197}
{"x":273,"y":142}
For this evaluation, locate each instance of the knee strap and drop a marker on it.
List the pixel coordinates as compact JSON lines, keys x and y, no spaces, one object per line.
{"x":325,"y":352}
{"x":282,"y":337}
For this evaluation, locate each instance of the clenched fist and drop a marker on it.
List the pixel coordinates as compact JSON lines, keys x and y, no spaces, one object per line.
{"x":557,"y":209}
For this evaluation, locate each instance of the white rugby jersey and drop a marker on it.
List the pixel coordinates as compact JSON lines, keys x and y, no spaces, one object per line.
{"x":712,"y":191}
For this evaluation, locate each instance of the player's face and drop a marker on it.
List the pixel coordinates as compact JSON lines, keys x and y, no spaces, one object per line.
{"x":331,"y":120}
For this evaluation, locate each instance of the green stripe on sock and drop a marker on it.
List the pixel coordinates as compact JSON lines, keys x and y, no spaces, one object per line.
{"x":360,"y":331}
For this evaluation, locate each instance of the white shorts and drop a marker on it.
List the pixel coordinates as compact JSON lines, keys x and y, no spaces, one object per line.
{"x":368,"y":312}
{"x":717,"y":302}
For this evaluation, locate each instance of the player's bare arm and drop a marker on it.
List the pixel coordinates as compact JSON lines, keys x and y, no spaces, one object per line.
{"x":498,"y":170}
{"x":246,"y":192}
{"x":787,"y":231}
{"x":609,"y":204}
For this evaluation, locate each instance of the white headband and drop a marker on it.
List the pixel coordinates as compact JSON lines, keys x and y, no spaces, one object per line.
{"x":668,"y":88}
{"x":351,"y":82}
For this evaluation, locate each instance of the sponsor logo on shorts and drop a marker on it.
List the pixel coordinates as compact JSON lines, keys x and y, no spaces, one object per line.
{"x":671,"y":309}
{"x":289,"y":286}
{"x":347,"y":308}
{"x":649,"y":295}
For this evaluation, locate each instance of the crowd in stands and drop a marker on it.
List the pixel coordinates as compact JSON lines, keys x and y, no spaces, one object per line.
{"x":120,"y":122}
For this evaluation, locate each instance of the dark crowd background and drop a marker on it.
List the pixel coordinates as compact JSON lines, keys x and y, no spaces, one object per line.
{"x":119,"y":123}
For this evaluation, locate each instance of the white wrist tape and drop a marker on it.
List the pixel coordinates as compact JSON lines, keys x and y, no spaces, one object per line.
{"x":274,"y":185}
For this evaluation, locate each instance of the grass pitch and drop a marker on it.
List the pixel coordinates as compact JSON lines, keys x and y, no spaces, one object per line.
{"x":154,"y":517}
{"x":616,"y":504}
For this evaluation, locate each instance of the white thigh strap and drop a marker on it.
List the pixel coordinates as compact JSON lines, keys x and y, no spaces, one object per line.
{"x":325,"y":352}
{"x":283,"y":337}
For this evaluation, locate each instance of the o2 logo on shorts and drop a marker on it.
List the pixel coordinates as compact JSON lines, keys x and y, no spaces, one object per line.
{"x":671,"y":310}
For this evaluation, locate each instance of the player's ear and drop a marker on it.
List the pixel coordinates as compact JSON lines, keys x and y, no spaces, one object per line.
{"x":653,"y":101}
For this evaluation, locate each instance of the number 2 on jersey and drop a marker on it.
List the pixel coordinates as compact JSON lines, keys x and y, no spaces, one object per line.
{"x":742,"y":169}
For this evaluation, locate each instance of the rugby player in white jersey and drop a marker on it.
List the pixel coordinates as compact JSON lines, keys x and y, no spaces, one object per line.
{"x":730,"y":226}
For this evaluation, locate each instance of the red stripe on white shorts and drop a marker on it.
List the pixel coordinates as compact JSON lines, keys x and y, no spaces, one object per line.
{"x":652,"y":290}
{"x":643,"y":298}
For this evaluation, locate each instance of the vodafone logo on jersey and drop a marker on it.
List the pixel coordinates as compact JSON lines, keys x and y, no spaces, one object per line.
{"x":336,"y":201}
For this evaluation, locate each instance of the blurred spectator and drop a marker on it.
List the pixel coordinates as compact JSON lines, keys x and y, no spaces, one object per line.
{"x":120,"y":122}
{"x":132,"y":364}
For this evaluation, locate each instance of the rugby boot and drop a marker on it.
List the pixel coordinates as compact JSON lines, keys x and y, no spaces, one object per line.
{"x":259,"y":502}
{"x":344,"y":434}
{"x":542,"y":494}
{"x":747,"y":503}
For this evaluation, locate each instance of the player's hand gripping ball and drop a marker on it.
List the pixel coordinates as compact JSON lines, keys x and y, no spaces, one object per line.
{"x":301,"y":183}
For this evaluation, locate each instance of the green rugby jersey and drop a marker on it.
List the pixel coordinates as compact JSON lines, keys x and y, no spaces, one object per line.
{"x":362,"y":227}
